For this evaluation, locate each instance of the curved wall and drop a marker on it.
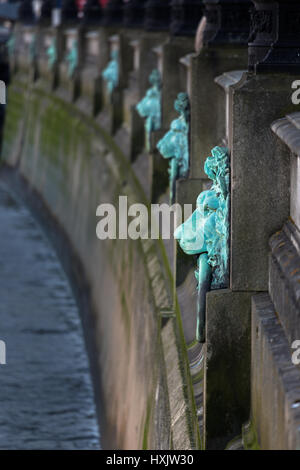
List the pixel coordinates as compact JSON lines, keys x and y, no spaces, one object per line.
{"x":74,"y":165}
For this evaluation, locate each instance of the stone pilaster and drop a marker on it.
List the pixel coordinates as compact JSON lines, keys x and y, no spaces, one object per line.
{"x":261,"y":182}
{"x":90,"y":100}
{"x":284,"y":272}
{"x":25,"y":55}
{"x":47,"y":57}
{"x":221,"y":46}
{"x":111,"y":116}
{"x":275,"y":380}
{"x":70,"y":65}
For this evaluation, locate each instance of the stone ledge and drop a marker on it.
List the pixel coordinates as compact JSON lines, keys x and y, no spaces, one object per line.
{"x":288,"y":130}
{"x":284,"y":283}
{"x":230,"y":79}
{"x":275,"y":380}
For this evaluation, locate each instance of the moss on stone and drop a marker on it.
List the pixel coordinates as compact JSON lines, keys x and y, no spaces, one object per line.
{"x":147,"y":426}
{"x":250,"y":438}
{"x":14,"y":118}
{"x":58,"y":136}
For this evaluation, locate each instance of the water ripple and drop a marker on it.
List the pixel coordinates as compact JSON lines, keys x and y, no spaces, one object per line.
{"x":46,"y":393}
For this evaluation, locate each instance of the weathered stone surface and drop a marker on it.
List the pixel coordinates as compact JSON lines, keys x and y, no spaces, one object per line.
{"x":74,"y":166}
{"x":284,"y":282}
{"x":144,"y":62}
{"x":288,"y":130}
{"x":49,"y":74}
{"x":181,"y":440}
{"x":104,"y":47}
{"x":113,"y":113}
{"x":275,"y":381}
{"x":69,"y":86}
{"x":147,"y":59}
{"x":227,"y":366}
{"x":228,"y":81}
{"x":90,"y":100}
{"x":158,"y":168}
{"x":187,"y":300}
{"x":187,"y":192}
{"x":260,"y":177}
{"x":220,"y":47}
{"x":170,"y":54}
{"x":208,"y":127}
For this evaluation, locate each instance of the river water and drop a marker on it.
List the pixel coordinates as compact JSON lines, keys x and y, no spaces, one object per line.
{"x":46,"y":394}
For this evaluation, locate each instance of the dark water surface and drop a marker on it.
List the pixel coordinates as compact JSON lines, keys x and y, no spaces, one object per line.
{"x":46,"y":395}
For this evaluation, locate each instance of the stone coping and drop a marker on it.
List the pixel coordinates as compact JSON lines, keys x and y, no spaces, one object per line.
{"x":288,"y":130}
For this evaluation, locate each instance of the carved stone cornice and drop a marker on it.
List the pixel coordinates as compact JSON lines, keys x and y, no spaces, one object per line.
{"x":134,"y":13}
{"x":227,"y":22}
{"x":275,"y":36}
{"x":284,"y":283}
{"x":113,"y":13}
{"x":157,"y":15}
{"x":185,"y":16}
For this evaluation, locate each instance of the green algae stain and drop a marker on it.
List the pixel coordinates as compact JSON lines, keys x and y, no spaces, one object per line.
{"x":250,"y":438}
{"x":126,"y":315}
{"x":147,"y":426}
{"x":66,"y":138}
{"x":13,"y":120}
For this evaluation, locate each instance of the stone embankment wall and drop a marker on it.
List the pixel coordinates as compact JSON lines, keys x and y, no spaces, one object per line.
{"x":77,"y":146}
